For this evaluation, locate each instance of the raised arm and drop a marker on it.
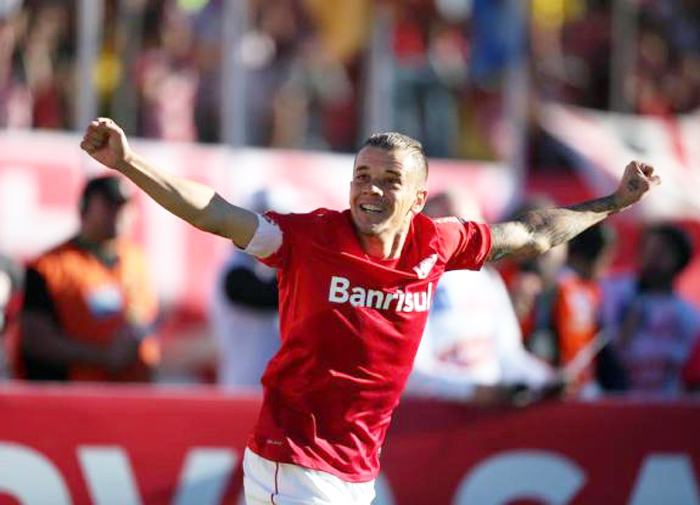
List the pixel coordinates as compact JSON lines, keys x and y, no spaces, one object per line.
{"x":192,"y":201}
{"x":538,"y":231}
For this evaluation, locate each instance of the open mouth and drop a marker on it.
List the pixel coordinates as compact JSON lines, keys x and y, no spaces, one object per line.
{"x":370,"y":209}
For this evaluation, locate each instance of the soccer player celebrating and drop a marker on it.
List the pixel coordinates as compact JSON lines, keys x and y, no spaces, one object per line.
{"x":355,"y":289}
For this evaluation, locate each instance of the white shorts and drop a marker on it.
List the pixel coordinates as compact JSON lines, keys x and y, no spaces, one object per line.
{"x":271,"y":483}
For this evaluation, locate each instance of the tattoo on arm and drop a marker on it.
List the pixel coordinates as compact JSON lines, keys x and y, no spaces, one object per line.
{"x":561,"y":225}
{"x":538,"y":231}
{"x":511,"y":238}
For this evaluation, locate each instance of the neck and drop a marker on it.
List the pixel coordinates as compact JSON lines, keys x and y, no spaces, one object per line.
{"x":385,"y":246}
{"x":582,"y":268}
{"x":103,"y":250}
{"x":93,"y":240}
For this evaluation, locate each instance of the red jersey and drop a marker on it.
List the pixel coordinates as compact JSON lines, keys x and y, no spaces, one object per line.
{"x":350,"y":327}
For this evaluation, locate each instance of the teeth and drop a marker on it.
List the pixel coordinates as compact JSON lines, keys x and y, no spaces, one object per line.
{"x":367,"y":207}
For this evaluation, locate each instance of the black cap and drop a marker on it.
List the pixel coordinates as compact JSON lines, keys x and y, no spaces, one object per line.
{"x":109,"y":186}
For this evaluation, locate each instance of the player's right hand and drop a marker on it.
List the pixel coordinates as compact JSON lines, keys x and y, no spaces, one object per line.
{"x":106,"y":142}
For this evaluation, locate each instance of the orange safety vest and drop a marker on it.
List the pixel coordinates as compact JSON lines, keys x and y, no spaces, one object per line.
{"x":92,"y":301}
{"x":575,"y":318}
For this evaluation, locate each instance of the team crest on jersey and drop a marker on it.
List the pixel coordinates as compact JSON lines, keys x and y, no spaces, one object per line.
{"x":424,"y":267}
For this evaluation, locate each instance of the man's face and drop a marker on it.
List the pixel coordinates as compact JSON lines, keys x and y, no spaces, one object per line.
{"x":386,"y":191}
{"x":103,"y":218}
{"x":657,"y":259}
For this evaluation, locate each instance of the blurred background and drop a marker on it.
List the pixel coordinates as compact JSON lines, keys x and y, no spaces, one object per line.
{"x":516,"y":103}
{"x":307,"y":74}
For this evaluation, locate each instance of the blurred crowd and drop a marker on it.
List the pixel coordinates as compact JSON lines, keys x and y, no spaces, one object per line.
{"x":311,"y":67}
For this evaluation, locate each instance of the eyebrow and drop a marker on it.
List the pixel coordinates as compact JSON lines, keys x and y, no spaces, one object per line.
{"x":365,"y":168}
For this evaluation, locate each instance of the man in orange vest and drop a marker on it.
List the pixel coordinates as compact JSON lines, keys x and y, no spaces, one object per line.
{"x":88,"y":307}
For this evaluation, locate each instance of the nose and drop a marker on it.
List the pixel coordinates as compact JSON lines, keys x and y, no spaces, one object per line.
{"x":372,"y":188}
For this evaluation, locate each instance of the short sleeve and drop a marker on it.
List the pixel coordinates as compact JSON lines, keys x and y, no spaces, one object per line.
{"x":36,"y":294}
{"x":266,"y":240}
{"x":292,"y":228}
{"x":466,"y":243}
{"x":243,"y":286}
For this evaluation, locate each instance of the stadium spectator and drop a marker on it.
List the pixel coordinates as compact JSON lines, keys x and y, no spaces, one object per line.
{"x":244,"y":311}
{"x":424,"y":106}
{"x":48,"y":62}
{"x":274,"y":45}
{"x":355,"y":290}
{"x":557,"y":298}
{"x":11,"y":280}
{"x":318,"y":104}
{"x":15,"y":97}
{"x":305,"y":65}
{"x":576,"y":312}
{"x":532,"y":287}
{"x":168,"y":81}
{"x":244,"y":321}
{"x":654,"y":329}
{"x":472,"y":347}
{"x":88,"y":308}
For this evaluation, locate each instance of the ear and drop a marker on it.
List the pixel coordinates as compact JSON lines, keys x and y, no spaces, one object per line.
{"x":419,"y":201}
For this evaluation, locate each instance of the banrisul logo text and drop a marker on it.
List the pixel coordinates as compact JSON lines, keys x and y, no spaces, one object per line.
{"x":341,"y":291}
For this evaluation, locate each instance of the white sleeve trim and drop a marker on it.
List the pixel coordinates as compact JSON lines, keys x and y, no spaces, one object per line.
{"x":266,"y":240}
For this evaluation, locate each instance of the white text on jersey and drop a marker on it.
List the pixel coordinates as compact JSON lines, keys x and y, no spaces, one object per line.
{"x":400,"y":301}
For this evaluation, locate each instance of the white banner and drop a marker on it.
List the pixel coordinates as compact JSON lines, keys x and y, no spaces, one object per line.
{"x":607,"y":141}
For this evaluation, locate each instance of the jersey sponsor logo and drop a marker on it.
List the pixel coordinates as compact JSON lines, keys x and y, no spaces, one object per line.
{"x":424,"y":267}
{"x":341,"y":291}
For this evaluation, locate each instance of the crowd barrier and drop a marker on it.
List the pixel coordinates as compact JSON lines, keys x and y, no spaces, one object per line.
{"x":112,"y":445}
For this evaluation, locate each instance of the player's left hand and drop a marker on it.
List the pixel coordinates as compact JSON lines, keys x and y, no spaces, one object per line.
{"x":636,"y":181}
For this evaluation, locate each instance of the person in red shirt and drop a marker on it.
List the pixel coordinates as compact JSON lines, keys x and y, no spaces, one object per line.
{"x":355,"y":289}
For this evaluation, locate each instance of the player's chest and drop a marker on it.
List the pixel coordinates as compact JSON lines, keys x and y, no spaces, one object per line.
{"x":339,"y":280}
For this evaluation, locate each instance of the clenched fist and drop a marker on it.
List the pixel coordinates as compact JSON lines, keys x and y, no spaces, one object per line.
{"x":106,"y":142}
{"x":636,"y":181}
